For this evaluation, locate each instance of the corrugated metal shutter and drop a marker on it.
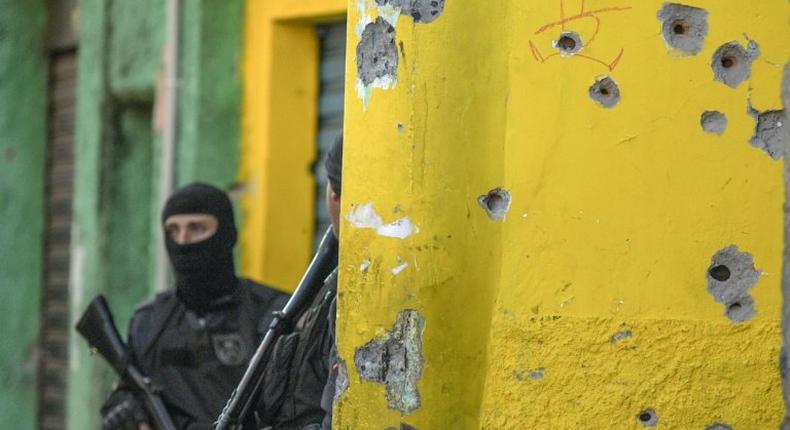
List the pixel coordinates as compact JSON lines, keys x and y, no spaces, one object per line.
{"x":54,"y":318}
{"x":330,"y":109}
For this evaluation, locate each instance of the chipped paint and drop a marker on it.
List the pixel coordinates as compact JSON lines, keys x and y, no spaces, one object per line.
{"x":399,"y":268}
{"x":395,"y":360}
{"x":365,"y":217}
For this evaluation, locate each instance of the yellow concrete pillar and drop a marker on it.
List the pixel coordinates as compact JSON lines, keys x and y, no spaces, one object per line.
{"x":562,"y":214}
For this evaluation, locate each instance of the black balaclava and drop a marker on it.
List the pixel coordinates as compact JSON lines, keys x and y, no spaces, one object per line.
{"x":334,"y":164}
{"x":204,"y":271}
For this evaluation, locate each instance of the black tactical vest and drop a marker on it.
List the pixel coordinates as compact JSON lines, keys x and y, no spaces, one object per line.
{"x":198,"y":360}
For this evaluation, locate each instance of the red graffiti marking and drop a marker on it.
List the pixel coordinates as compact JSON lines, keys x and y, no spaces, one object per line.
{"x":591,"y":14}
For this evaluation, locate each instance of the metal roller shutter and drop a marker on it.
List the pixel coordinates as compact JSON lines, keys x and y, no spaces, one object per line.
{"x":332,"y":39}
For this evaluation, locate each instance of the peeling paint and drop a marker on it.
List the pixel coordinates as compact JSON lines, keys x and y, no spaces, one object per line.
{"x":365,"y":265}
{"x":769,"y":134}
{"x":422,"y":11}
{"x":395,"y":360}
{"x":399,"y":268}
{"x":365,"y":216}
{"x":713,"y":122}
{"x":376,"y":58}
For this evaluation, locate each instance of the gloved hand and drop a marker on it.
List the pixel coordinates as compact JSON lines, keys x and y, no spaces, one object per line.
{"x":122,"y":411}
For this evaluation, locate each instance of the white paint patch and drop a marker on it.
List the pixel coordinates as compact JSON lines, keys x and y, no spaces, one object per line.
{"x":364,"y":18}
{"x":365,"y":216}
{"x":390,"y":14}
{"x":400,"y":229}
{"x":399,"y":268}
{"x":364,"y":266}
{"x":365,"y":91}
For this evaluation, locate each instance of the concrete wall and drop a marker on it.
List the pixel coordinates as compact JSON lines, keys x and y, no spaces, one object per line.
{"x":23,"y":83}
{"x":117,"y":154}
{"x":547,"y":226}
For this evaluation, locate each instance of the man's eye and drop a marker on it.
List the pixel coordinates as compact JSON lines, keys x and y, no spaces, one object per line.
{"x":198,"y":228}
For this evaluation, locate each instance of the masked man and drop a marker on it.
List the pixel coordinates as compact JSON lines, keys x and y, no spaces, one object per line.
{"x":195,"y":341}
{"x":300,"y":378}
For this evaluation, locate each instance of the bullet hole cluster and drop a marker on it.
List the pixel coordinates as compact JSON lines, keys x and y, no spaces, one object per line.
{"x":730,"y":277}
{"x":496,"y":203}
{"x":568,"y":43}
{"x":605,"y":92}
{"x":684,"y":27}
{"x":648,"y":417}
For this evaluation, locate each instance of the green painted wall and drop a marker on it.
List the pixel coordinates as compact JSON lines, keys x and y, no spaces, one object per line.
{"x":117,"y":153}
{"x":23,"y":78}
{"x":211,"y":91}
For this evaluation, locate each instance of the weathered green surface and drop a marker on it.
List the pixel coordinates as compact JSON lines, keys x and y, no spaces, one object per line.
{"x":128,"y":191}
{"x":208,"y":147}
{"x":117,"y":153}
{"x":87,"y":268}
{"x":135,"y":48}
{"x":23,"y":79}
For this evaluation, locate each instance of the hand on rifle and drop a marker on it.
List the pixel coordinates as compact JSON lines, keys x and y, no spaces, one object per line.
{"x":123,"y":411}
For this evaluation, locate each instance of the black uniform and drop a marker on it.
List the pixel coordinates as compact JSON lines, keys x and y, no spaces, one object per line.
{"x":196,"y":340}
{"x":300,"y":379}
{"x":298,"y":374}
{"x":198,"y":360}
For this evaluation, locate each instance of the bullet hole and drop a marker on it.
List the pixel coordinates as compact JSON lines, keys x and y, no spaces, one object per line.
{"x":377,"y":54}
{"x":621,"y":336}
{"x":648,"y":418}
{"x":537,"y":374}
{"x":400,"y":127}
{"x":569,"y":43}
{"x":730,"y":277}
{"x":720,"y":273}
{"x":732,"y":62}
{"x":395,"y":360}
{"x":742,"y":310}
{"x":684,"y":27}
{"x":768,"y":132}
{"x":718,"y":426}
{"x":713,"y":122}
{"x":423,"y":11}
{"x":496,"y":203}
{"x":605,"y":92}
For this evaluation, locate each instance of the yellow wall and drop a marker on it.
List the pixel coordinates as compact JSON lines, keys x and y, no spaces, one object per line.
{"x":616,"y":214}
{"x":279,"y":134}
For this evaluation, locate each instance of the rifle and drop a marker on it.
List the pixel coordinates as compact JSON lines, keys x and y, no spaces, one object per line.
{"x":244,"y":397}
{"x":97,"y":327}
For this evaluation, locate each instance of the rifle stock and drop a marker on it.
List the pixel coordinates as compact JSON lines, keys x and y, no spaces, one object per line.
{"x":97,"y":327}
{"x":243,"y":398}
